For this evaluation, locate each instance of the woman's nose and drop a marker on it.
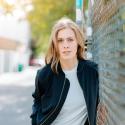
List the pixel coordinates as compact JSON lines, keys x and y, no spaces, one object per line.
{"x":66,"y":44}
{"x":66,"y":47}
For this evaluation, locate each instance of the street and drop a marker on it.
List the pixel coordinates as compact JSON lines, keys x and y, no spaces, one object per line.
{"x":16,"y":97}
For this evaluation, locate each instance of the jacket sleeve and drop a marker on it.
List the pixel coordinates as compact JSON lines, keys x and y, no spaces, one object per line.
{"x":37,"y":100}
{"x":97,"y":69}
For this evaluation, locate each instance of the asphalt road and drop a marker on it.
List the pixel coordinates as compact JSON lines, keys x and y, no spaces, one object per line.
{"x":15,"y":97}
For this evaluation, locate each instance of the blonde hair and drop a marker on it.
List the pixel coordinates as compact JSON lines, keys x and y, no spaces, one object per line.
{"x":52,"y":56}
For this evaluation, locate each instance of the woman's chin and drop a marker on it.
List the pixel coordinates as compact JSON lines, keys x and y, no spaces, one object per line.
{"x":66,"y":58}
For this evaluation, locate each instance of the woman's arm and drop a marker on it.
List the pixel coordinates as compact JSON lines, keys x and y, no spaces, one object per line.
{"x":37,"y":100}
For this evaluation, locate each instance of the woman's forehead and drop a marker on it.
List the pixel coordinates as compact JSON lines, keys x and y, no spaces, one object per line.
{"x":66,"y":32}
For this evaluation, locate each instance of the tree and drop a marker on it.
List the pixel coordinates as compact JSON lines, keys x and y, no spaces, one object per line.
{"x":43,"y":16}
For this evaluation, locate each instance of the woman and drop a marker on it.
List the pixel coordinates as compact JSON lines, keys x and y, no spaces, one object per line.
{"x":66,"y":89}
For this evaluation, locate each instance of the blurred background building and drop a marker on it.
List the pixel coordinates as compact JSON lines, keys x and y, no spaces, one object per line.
{"x":15,"y":36}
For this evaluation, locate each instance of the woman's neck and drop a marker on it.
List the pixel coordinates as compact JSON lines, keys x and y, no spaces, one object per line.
{"x":68,"y":65}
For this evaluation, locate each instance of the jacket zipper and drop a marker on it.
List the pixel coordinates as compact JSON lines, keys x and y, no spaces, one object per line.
{"x":56,"y":105}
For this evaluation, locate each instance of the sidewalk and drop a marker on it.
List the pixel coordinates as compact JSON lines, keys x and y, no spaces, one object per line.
{"x":13,"y":77}
{"x":16,"y":96}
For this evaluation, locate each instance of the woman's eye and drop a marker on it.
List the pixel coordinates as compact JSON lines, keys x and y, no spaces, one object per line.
{"x":70,"y":40}
{"x":60,"y":40}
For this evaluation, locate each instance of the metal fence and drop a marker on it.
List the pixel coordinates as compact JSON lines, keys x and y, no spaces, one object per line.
{"x":108,"y":49}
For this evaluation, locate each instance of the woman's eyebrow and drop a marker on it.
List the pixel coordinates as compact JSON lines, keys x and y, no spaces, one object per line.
{"x":69,"y":37}
{"x":59,"y":38}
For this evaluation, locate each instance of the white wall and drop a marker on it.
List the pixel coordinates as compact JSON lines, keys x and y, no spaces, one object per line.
{"x":17,"y":30}
{"x":12,"y":28}
{"x":1,"y":61}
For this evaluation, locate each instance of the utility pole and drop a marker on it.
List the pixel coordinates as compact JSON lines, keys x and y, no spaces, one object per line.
{"x":79,"y":13}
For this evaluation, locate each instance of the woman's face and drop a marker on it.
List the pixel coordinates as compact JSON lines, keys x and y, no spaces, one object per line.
{"x":67,"y":44}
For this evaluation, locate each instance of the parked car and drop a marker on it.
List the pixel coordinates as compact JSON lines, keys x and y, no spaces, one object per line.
{"x":37,"y":62}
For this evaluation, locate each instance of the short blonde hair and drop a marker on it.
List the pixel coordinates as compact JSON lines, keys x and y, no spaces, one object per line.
{"x":52,"y":56}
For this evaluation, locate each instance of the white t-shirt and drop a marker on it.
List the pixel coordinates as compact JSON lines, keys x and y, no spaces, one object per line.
{"x":74,"y":111}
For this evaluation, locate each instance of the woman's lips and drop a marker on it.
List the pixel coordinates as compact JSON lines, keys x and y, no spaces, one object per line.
{"x":66,"y":52}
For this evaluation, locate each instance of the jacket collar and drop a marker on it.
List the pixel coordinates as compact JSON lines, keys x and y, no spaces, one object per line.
{"x":80,"y":65}
{"x":79,"y":68}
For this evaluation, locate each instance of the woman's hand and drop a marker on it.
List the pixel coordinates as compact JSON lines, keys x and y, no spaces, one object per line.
{"x":101,"y":114}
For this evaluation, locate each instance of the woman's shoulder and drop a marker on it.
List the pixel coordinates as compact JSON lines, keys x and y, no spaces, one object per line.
{"x":44,"y":72}
{"x":91,"y":64}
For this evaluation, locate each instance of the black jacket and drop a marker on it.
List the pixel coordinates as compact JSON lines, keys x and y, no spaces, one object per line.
{"x":51,"y":90}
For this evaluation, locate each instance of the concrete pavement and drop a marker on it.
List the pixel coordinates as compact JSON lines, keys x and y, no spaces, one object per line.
{"x":15,"y":97}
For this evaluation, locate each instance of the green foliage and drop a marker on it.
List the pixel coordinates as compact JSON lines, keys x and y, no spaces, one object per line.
{"x":43,"y":16}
